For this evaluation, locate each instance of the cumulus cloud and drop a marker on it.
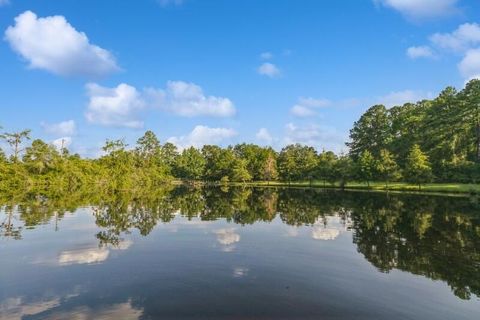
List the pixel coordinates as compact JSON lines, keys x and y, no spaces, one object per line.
{"x":398,"y":98}
{"x":461,"y":39}
{"x":305,"y":106}
{"x":52,"y":44}
{"x":420,"y":52}
{"x":269,"y":69}
{"x":188,"y":99}
{"x":264,"y":135}
{"x":417,"y":9}
{"x":120,"y":106}
{"x":62,"y":128}
{"x":202,"y":135}
{"x":320,"y":137}
{"x":465,"y":41}
{"x":470,"y":65}
{"x":114,"y":106}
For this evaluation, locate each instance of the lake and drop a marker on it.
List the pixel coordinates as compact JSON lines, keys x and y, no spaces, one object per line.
{"x":240,"y":253}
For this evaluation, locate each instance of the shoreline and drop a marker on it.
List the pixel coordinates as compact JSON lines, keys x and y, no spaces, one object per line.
{"x":456,"y":189}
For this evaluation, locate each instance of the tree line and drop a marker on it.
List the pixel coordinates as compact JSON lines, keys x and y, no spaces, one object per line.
{"x":431,"y":140}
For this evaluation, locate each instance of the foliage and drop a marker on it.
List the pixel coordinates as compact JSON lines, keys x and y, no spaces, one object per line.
{"x":417,"y":168}
{"x":430,"y":140}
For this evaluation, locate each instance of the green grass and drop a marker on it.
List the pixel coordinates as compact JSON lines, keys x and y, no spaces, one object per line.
{"x":377,"y":186}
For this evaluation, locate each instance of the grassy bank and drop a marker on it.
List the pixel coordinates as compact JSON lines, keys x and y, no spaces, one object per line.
{"x":457,"y":188}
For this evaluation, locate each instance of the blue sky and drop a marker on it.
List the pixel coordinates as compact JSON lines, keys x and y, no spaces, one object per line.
{"x":270,"y":72}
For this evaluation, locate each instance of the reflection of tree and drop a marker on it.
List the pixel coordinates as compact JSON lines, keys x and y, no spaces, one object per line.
{"x":436,"y":237}
{"x":8,"y":229}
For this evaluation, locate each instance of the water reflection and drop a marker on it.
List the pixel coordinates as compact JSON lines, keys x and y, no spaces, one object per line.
{"x":437,"y":238}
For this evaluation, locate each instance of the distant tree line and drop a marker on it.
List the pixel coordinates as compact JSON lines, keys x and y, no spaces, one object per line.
{"x":431,"y":140}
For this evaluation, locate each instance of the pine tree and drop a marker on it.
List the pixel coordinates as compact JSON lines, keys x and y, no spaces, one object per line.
{"x":417,"y":167}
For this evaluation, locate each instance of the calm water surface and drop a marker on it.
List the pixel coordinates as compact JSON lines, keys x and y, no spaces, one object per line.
{"x":240,"y":254}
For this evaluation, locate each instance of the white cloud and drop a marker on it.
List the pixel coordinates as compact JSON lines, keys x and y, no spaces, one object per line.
{"x":64,"y":142}
{"x":464,"y":40}
{"x":62,"y":128}
{"x":114,"y":106}
{"x":420,"y":52}
{"x":269,"y":69}
{"x":398,"y":98}
{"x":188,"y":99}
{"x":264,"y":135}
{"x":202,"y":135}
{"x":119,"y":106}
{"x":421,"y":8}
{"x":301,"y":111}
{"x":165,"y":3}
{"x":320,"y":137}
{"x":461,"y":39}
{"x":305,"y":106}
{"x":266,"y":55}
{"x":52,"y":44}
{"x":470,"y":65}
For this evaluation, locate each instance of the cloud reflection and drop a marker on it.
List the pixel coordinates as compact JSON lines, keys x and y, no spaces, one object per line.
{"x":90,"y":255}
{"x":17,"y":308}
{"x":227,"y":238}
{"x":83,"y":256}
{"x":321,"y":233}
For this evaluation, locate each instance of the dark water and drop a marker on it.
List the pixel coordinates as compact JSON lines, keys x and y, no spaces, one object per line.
{"x":240,"y":254}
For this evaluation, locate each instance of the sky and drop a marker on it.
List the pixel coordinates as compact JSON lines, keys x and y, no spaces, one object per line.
{"x":270,"y":72}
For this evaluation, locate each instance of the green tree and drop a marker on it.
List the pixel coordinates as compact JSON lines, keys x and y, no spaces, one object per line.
{"x":387,"y":168}
{"x":366,"y":166}
{"x":269,"y":170}
{"x":343,"y":170}
{"x":190,"y":164}
{"x":169,"y":153}
{"x":15,"y":140}
{"x":417,"y":168}
{"x":240,"y":171}
{"x":325,"y":169}
{"x":371,"y":132}
{"x":469,"y":115}
{"x":40,"y":157}
{"x":148,"y":147}
{"x":297,"y":162}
